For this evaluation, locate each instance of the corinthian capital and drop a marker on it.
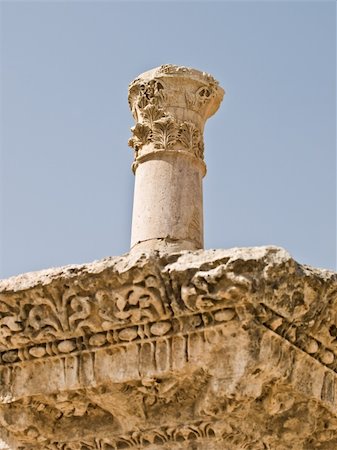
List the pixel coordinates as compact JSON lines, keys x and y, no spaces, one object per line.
{"x":170,"y":105}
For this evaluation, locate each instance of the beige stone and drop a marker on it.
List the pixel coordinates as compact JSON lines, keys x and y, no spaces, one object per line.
{"x":170,"y":105}
{"x":165,"y":347}
{"x":217,"y":349}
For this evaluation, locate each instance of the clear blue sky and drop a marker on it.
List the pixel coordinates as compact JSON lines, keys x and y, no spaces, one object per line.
{"x":66,"y":182}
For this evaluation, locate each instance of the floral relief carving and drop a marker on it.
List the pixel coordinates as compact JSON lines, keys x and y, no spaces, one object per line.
{"x":170,"y":105}
{"x":134,"y":303}
{"x":191,"y":138}
{"x":43,"y":318}
{"x":81,"y":309}
{"x":164,"y":133}
{"x":53,"y":313}
{"x":200,"y":98}
{"x":39,"y":320}
{"x":215,"y":288}
{"x":205,"y":350}
{"x":142,"y":134}
{"x":151,"y":114}
{"x":161,"y":326}
{"x":204,"y":94}
{"x":220,"y":431}
{"x":202,"y":432}
{"x":173,"y":350}
{"x":150,"y":93}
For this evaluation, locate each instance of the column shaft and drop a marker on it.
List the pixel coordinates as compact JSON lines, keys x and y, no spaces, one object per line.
{"x":170,"y":105}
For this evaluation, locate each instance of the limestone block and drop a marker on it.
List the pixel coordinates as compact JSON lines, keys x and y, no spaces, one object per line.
{"x":218,"y":350}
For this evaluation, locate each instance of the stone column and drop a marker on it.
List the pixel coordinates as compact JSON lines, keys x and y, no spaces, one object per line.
{"x":170,"y":105}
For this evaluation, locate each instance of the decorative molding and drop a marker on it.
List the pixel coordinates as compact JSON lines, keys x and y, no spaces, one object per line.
{"x":55,"y":312}
{"x":297,"y":337}
{"x":164,"y":133}
{"x":162,"y":331}
{"x":170,"y":105}
{"x":201,"y":431}
{"x":180,"y":351}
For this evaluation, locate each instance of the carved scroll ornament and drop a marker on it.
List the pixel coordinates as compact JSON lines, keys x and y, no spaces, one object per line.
{"x":182,"y":350}
{"x":170,"y":105}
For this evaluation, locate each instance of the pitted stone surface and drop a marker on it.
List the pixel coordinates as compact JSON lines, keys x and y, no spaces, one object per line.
{"x":218,"y":350}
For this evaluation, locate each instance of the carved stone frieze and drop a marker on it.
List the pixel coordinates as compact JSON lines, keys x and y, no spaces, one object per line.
{"x":219,"y":349}
{"x":60,"y":309}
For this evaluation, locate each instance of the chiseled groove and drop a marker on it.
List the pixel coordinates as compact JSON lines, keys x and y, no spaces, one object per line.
{"x":300,"y":339}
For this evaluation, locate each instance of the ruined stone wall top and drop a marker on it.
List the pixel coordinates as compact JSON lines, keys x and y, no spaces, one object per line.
{"x":219,"y":349}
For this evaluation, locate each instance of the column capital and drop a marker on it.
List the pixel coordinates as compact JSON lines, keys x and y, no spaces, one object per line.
{"x":170,"y":105}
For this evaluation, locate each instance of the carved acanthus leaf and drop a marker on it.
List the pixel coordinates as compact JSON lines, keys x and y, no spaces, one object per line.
{"x":164,"y":133}
{"x":189,"y":136}
{"x":151,"y":113}
{"x":200,"y":150}
{"x":141,"y":136}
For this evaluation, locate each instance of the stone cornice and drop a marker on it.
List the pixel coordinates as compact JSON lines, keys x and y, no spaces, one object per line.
{"x":117,"y":342}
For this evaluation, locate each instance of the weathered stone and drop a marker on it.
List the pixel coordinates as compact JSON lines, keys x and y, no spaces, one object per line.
{"x":217,"y":349}
{"x":197,"y":350}
{"x":170,"y":105}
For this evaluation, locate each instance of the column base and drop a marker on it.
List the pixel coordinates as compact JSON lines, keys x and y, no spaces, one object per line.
{"x":166,"y":245}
